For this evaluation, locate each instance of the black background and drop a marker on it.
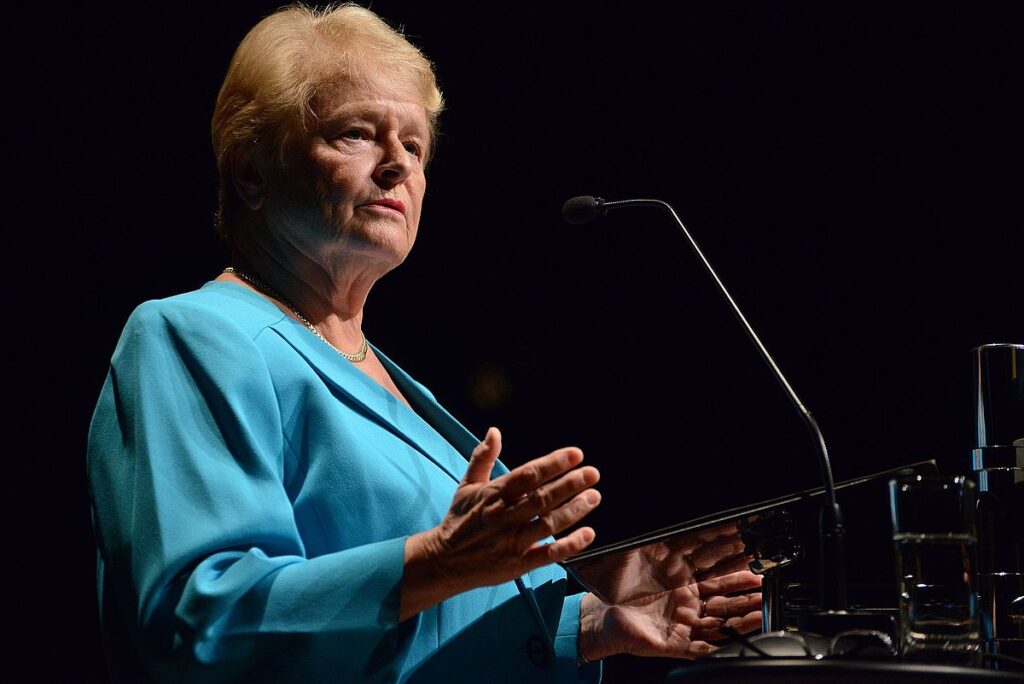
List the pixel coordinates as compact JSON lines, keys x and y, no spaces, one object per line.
{"x":853,"y":170}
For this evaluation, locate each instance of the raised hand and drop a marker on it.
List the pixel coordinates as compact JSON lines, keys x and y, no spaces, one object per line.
{"x":494,"y":529}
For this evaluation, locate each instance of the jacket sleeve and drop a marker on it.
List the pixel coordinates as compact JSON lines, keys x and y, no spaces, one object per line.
{"x":567,"y":645}
{"x":201,"y":553}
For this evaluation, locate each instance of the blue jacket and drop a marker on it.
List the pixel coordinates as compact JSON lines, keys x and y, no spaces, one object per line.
{"x":252,"y":492}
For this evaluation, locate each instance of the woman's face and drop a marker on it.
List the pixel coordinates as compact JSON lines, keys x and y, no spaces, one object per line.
{"x":353,"y":186}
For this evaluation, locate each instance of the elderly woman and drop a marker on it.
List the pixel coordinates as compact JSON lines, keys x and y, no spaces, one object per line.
{"x":274,"y":498}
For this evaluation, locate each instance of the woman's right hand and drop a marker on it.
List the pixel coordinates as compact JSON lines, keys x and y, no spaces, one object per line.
{"x":492,"y":532}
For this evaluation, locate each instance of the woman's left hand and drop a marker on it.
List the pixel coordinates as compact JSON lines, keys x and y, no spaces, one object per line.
{"x":677,"y":623}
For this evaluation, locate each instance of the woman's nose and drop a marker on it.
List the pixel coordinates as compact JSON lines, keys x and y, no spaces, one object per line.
{"x":395,"y":164}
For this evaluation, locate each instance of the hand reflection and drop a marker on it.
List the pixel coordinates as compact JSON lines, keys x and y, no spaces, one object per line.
{"x":671,"y":597}
{"x":677,"y":623}
{"x":665,"y":565}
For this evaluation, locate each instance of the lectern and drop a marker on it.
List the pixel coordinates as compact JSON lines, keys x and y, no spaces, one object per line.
{"x":777,"y":539}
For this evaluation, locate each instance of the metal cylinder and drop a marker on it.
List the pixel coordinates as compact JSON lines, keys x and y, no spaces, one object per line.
{"x":998,"y":463}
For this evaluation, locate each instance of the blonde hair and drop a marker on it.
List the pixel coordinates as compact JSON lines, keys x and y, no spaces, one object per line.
{"x":269,"y":92}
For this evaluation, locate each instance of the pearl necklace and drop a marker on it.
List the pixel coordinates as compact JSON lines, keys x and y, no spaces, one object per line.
{"x":270,"y":292}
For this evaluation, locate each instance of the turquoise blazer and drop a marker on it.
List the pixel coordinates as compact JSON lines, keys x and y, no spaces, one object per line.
{"x":252,"y":492}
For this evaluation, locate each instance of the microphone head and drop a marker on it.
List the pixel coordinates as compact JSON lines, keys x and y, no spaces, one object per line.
{"x":583,"y":209}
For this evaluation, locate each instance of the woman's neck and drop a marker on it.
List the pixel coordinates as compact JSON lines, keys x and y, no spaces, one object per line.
{"x":332,"y":300}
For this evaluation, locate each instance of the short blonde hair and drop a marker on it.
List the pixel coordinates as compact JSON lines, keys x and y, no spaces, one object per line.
{"x":274,"y":77}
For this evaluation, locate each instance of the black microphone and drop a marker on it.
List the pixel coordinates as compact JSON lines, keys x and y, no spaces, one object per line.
{"x":584,"y":209}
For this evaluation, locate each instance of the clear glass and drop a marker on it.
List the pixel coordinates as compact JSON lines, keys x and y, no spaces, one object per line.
{"x":933,"y":523}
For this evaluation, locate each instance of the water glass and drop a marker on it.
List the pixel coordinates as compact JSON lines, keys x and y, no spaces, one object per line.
{"x":933,"y":523}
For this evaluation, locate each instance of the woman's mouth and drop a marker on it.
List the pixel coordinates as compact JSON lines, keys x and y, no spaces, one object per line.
{"x":386,"y":203}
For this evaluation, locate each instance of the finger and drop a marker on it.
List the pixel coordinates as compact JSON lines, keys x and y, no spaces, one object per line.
{"x":727,"y":584}
{"x":726,"y":530}
{"x":555,"y":493}
{"x":699,"y":649}
{"x":559,"y":550}
{"x":481,"y":461}
{"x":726,"y":629}
{"x":711,"y":629}
{"x":561,"y":518}
{"x":712,"y":553}
{"x":748,"y":623}
{"x":706,"y":627}
{"x":532,"y":474}
{"x":732,"y":606}
{"x":683,"y":546}
{"x":723,"y":568}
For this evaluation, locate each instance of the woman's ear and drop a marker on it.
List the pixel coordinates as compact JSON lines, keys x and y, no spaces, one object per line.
{"x":247,"y":177}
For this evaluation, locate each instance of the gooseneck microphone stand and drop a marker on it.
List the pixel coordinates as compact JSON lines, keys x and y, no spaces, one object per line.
{"x":833,"y":600}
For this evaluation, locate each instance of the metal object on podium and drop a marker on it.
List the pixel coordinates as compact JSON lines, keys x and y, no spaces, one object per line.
{"x":998,"y":462}
{"x":770,"y":538}
{"x":781,"y":670}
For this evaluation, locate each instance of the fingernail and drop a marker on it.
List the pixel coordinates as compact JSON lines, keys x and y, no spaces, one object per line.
{"x":593,"y":497}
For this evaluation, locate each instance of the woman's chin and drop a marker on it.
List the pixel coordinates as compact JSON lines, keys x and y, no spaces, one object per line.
{"x":388,"y":243}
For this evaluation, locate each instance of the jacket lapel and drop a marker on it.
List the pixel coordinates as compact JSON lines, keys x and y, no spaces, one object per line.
{"x":364,"y":394}
{"x":420,"y":428}
{"x":424,"y":403}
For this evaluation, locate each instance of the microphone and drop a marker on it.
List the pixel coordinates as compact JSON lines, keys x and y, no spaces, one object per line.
{"x":584,"y":209}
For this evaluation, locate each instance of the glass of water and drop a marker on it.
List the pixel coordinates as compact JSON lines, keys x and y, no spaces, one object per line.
{"x":933,"y":524}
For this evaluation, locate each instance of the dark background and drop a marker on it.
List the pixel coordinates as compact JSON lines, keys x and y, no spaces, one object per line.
{"x":853,"y":170}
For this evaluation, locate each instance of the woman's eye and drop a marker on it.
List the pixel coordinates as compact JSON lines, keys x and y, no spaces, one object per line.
{"x":412,"y":148}
{"x":353,"y":134}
